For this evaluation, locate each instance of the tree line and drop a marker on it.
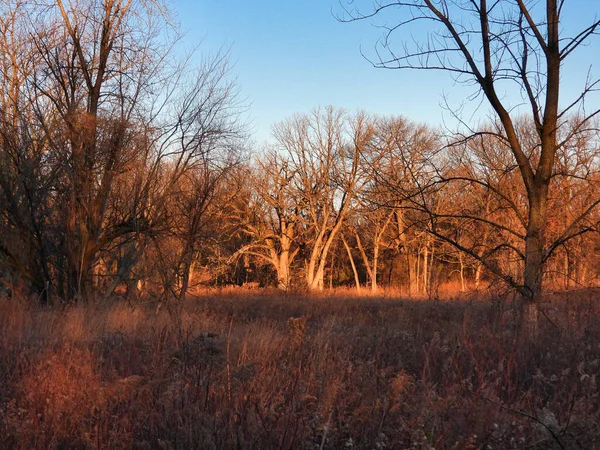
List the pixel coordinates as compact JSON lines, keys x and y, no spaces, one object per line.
{"x":124,"y":168}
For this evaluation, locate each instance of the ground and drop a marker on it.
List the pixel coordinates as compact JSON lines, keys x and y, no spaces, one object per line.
{"x":265,"y":370}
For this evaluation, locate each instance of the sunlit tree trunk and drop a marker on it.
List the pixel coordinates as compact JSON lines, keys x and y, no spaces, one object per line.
{"x":352,"y":263}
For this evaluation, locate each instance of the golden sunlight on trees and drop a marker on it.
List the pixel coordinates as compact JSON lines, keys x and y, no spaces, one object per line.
{"x":324,"y":151}
{"x":398,"y":162}
{"x":125,"y":170}
{"x":500,"y":45}
{"x":273,"y":219}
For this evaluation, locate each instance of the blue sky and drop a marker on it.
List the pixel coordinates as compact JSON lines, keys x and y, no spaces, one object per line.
{"x":290,"y":56}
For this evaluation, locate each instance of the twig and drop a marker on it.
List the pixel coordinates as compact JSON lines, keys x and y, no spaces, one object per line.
{"x":529,"y":416}
{"x":325,"y":430}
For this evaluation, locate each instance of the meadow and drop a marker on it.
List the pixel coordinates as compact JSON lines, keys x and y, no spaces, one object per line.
{"x":265,"y":370}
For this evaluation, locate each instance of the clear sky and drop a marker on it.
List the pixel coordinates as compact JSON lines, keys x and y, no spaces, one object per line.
{"x":292,"y":55}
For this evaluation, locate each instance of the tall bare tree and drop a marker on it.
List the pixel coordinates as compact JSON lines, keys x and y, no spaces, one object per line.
{"x":273,"y":219}
{"x":324,"y":149}
{"x":500,"y":45}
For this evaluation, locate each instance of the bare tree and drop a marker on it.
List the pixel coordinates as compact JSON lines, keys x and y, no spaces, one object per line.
{"x":24,"y":216}
{"x":104,"y":125}
{"x":401,"y":163}
{"x":193,"y":214}
{"x":273,"y":220}
{"x":501,"y":45}
{"x":324,"y":149}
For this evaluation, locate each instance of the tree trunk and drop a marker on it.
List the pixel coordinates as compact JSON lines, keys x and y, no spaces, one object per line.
{"x":318,"y":258}
{"x":462,"y":272}
{"x":534,"y":258}
{"x":425,"y":273}
{"x":283,"y":271}
{"x":318,"y":280}
{"x":413,"y":273}
{"x":374,"y":286}
{"x":351,"y":258}
{"x":478,"y":275}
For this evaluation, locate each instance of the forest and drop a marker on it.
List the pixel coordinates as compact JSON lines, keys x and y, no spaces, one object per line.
{"x":156,"y":263}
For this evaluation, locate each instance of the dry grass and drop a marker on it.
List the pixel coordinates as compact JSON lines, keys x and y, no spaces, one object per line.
{"x":263,"y":370}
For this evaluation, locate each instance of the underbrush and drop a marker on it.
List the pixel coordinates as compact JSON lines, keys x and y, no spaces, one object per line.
{"x":273,"y":371}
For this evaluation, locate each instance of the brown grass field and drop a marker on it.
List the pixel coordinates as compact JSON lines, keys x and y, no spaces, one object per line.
{"x":263,"y":370}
